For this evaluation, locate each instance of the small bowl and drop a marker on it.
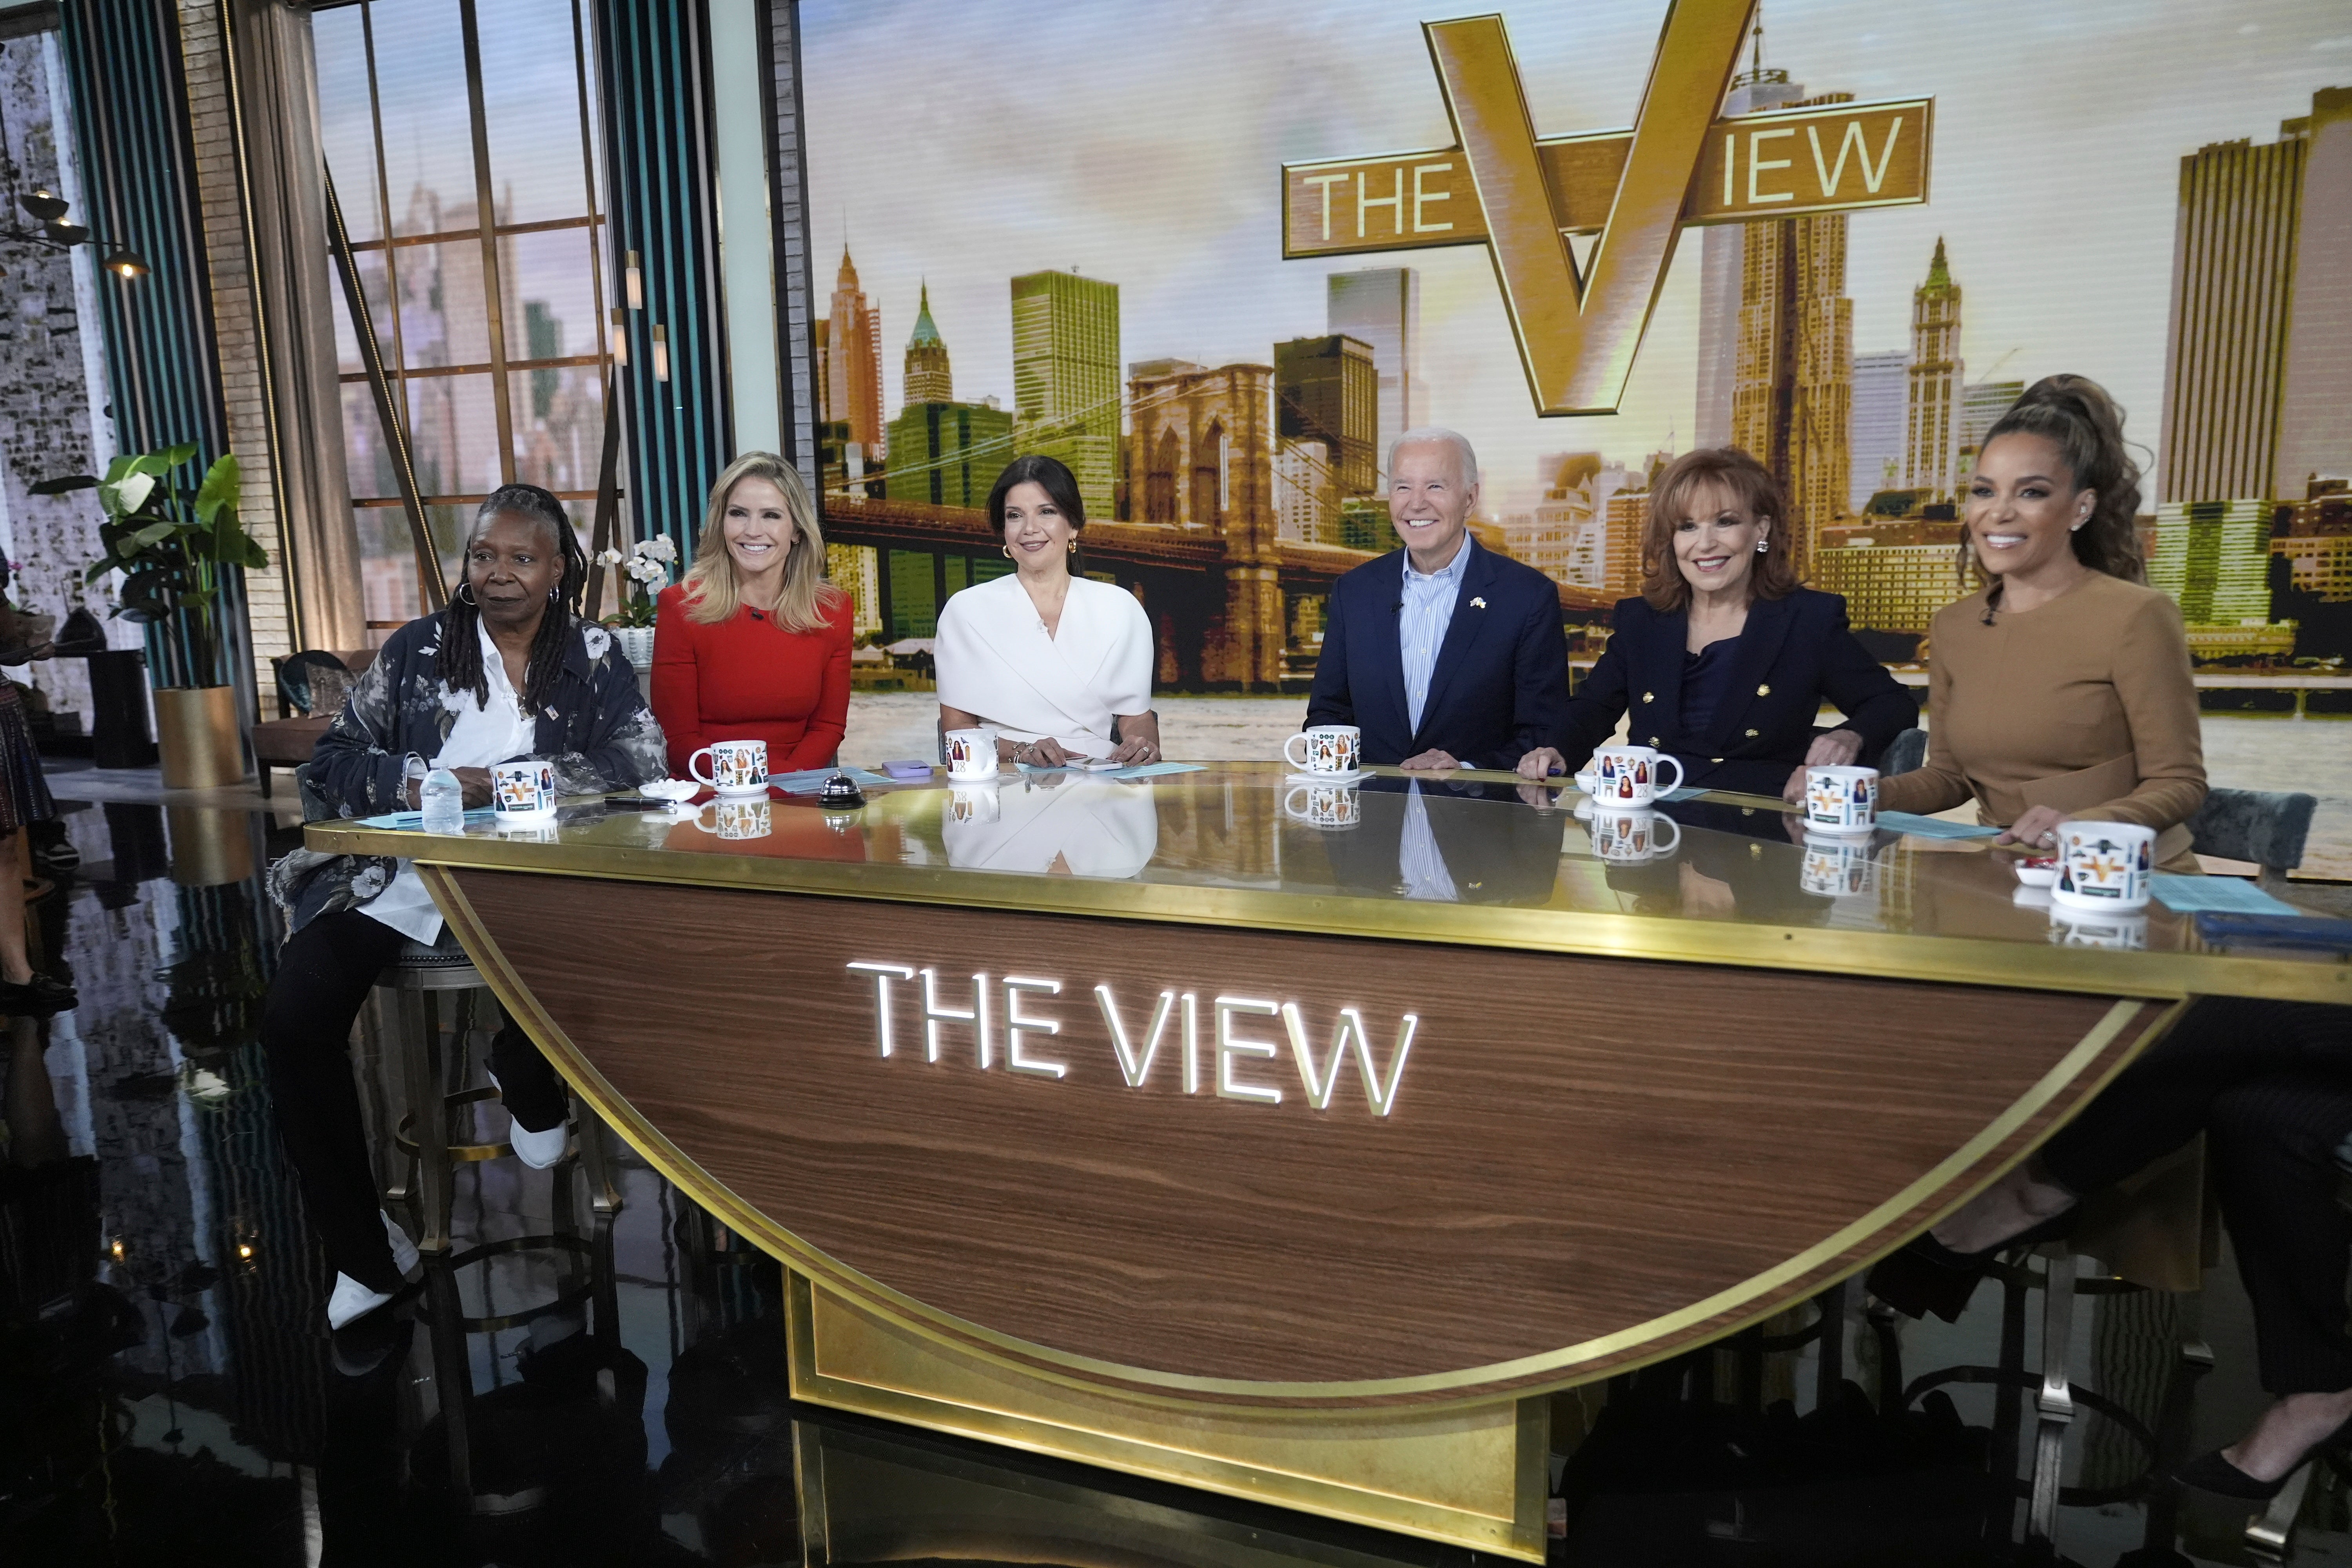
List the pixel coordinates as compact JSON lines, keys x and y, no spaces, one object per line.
{"x":2037,"y":870}
{"x":675,"y":790}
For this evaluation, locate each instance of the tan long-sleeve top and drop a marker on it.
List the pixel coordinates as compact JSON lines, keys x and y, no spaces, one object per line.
{"x":2084,"y":704}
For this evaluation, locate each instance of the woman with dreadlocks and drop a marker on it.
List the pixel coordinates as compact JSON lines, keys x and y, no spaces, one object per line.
{"x":509,"y":671}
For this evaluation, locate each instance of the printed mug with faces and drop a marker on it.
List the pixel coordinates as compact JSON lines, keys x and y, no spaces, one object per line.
{"x":1626,"y":776}
{"x":972,"y":753}
{"x":974,"y":803}
{"x":1626,"y":837}
{"x":1841,"y":800}
{"x":1839,"y":866}
{"x":2104,"y":865}
{"x":737,"y":767}
{"x":1323,"y":805}
{"x":749,"y":818}
{"x":1325,"y":749}
{"x":523,"y":791}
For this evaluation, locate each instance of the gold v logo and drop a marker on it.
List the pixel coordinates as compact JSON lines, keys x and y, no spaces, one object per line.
{"x":1501,"y":185}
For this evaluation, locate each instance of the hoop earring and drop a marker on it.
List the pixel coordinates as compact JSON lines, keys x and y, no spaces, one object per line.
{"x":1074,"y":548}
{"x":1005,"y":551}
{"x":465,"y":594}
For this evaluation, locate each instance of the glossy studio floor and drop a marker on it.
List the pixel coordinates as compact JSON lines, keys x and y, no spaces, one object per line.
{"x":578,"y":1389}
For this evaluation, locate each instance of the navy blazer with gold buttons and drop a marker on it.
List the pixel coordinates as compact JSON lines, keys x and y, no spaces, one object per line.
{"x":1794,"y":654}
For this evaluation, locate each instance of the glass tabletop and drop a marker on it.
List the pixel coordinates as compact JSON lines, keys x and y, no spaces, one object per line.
{"x":1479,"y":856}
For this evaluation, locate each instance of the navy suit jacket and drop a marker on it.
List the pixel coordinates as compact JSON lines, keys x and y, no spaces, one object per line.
{"x":1793,"y":653}
{"x":1500,"y":687}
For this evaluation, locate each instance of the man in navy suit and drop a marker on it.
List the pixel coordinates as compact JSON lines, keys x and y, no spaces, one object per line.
{"x":1445,"y":654}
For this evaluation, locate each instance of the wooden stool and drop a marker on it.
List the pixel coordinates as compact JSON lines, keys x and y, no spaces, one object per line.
{"x":416,"y":980}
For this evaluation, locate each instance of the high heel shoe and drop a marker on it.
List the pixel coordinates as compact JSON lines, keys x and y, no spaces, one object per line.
{"x":1924,"y":1276}
{"x":2212,"y":1473}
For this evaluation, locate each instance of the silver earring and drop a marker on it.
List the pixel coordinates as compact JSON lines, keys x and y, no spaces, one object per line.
{"x":1762,"y":545}
{"x":465,"y":593}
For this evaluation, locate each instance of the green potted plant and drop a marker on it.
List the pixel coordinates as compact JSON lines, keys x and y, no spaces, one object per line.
{"x":174,"y":548}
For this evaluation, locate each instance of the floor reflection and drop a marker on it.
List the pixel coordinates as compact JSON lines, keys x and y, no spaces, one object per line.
{"x":566,"y":1389}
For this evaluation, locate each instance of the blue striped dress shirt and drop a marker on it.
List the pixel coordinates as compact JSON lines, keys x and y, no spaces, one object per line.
{"x":1428,"y":610}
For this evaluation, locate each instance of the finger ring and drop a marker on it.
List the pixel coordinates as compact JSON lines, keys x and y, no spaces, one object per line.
{"x":2049,"y":838}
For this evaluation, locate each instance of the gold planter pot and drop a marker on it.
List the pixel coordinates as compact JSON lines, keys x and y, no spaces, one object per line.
{"x":197,"y":729}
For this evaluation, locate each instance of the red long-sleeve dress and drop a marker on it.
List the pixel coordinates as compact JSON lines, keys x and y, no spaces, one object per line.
{"x":747,"y":678}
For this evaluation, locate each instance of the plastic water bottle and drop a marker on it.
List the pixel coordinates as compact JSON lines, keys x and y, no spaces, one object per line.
{"x":444,"y":799}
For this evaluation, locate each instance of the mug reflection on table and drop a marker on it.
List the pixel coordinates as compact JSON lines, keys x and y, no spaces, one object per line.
{"x":975,"y":803}
{"x":523,"y":791}
{"x":1626,"y":836}
{"x":751,"y":818}
{"x":1323,"y":805}
{"x":1839,"y":867}
{"x":2115,"y":929}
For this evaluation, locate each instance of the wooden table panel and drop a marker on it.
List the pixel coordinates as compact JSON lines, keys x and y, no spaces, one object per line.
{"x":1579,"y":1146}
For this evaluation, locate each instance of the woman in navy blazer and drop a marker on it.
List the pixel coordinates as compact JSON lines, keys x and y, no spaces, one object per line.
{"x":1723,"y":661}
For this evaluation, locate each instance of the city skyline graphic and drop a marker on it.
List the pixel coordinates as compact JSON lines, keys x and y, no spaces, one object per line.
{"x":1054,"y":146}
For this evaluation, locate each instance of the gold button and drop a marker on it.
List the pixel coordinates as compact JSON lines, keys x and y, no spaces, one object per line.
{"x":1649,"y":697}
{"x":1653,"y":740}
{"x":1763,"y":691}
{"x":1715,"y":759}
{"x":1751,"y":734}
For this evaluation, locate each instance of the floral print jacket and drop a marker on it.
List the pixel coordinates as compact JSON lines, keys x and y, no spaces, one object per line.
{"x":595,"y":729}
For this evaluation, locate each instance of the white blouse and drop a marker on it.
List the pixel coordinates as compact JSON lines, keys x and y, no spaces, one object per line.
{"x":995,"y":660}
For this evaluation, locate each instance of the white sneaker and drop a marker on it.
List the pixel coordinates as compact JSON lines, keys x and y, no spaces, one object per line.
{"x":352,"y":1301}
{"x":404,"y":1251}
{"x":537,"y":1149}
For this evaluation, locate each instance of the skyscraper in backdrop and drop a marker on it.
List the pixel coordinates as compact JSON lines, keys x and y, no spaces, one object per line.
{"x":1983,"y":403}
{"x":853,"y":364}
{"x":1326,"y":390}
{"x":1881,"y":388}
{"x":2257,"y":366}
{"x":1065,"y":378}
{"x":1723,"y":253}
{"x":927,"y":377}
{"x":1793,"y":388}
{"x":1381,"y":306}
{"x":1931,"y":421}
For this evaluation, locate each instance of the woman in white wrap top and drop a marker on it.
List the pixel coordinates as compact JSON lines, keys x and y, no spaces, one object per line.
{"x":1047,"y":658}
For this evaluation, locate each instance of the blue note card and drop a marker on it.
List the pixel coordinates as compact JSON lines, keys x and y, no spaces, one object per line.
{"x":413,"y":821}
{"x":1934,"y":826}
{"x":2218,"y":895}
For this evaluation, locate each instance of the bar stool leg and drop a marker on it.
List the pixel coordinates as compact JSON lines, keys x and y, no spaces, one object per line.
{"x":2055,"y":1400}
{"x":596,"y":1158}
{"x":430,"y":1126}
{"x":416,"y":1083}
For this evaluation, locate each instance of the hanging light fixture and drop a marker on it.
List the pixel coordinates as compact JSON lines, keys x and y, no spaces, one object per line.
{"x":125,"y":262}
{"x":661,"y":354}
{"x":620,"y":338}
{"x":633,"y":278}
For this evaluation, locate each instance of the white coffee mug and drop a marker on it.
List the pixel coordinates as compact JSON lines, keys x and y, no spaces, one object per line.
{"x":1841,"y":800}
{"x":972,"y":753}
{"x":1325,"y":749}
{"x":737,"y":767}
{"x":1323,"y":805}
{"x":524,"y":791}
{"x":974,"y":803}
{"x":1839,"y":866}
{"x":2104,"y":865}
{"x":1627,"y":776}
{"x":746,"y":817}
{"x":1629,"y":837}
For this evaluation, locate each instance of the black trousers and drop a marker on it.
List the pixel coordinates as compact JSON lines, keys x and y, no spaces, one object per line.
{"x":324,"y":975}
{"x":2270,"y":1085}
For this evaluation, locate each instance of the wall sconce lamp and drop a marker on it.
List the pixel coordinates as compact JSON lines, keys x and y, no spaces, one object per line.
{"x":661,"y":354}
{"x":633,"y":280}
{"x":620,"y":339}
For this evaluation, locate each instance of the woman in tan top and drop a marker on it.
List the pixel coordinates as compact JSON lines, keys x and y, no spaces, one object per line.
{"x":2062,"y":688}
